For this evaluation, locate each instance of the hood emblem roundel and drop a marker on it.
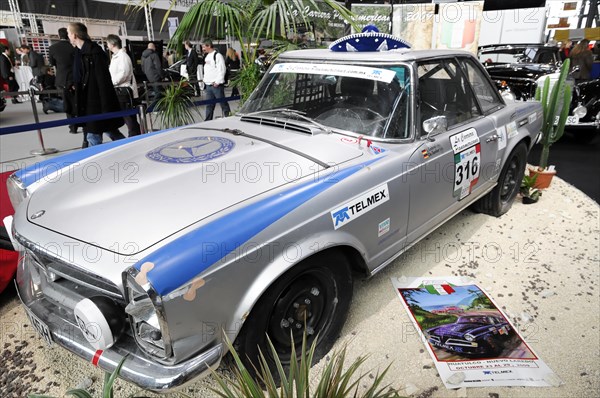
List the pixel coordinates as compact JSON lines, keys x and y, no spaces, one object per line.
{"x":192,"y":150}
{"x":38,"y":214}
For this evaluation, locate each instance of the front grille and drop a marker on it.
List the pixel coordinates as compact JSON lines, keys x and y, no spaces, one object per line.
{"x":77,"y":276}
{"x":50,"y":263}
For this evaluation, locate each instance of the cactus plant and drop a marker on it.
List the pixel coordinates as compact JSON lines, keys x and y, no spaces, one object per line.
{"x":551,"y":104}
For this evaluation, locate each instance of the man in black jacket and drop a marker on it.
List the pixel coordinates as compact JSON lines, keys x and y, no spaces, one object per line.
{"x":191,"y":65}
{"x":94,"y":91}
{"x":36,"y":61}
{"x":7,"y":71}
{"x":61,"y":56}
{"x":152,"y":67}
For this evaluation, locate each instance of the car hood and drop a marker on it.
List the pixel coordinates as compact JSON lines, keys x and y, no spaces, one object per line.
{"x":143,"y":191}
{"x":522,"y":71}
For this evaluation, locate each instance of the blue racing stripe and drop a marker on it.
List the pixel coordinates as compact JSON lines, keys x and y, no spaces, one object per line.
{"x":183,"y":259}
{"x":36,"y":172}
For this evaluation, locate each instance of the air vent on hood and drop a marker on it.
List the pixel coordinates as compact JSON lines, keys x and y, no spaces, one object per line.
{"x":278,"y":123}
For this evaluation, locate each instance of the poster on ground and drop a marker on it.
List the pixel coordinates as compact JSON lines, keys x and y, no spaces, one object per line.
{"x":471,"y":341}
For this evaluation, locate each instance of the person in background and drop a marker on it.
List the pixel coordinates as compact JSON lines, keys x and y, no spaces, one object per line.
{"x":8,"y":73}
{"x":36,"y":61}
{"x":95,"y":93}
{"x":152,"y":67}
{"x":191,"y":65}
{"x":61,"y":55}
{"x":47,"y":81}
{"x":582,"y":57}
{"x":596,"y":50}
{"x":565,"y":49}
{"x":214,"y":78}
{"x":171,"y":57}
{"x":121,"y":73}
{"x":233,"y":65}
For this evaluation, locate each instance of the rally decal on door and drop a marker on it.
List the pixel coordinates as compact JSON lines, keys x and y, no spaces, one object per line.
{"x":467,"y":161}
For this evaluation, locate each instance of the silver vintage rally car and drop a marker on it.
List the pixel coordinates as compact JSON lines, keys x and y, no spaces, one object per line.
{"x":156,"y":246}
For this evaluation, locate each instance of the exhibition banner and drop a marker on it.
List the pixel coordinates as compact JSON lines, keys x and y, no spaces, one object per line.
{"x":414,"y":23}
{"x":470,"y":339}
{"x":457,"y":26}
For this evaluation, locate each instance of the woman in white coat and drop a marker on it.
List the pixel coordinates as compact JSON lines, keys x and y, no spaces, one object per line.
{"x":121,"y":73}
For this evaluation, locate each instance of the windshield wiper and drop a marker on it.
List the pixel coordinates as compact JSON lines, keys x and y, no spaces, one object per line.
{"x":294,"y":113}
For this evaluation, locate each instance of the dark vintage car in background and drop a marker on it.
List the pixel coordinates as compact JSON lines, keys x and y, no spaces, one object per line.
{"x":472,"y":335}
{"x":519,"y":68}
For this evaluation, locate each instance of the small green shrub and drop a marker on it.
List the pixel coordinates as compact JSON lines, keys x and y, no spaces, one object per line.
{"x":107,"y":391}
{"x":175,"y":106}
{"x":334,"y":382}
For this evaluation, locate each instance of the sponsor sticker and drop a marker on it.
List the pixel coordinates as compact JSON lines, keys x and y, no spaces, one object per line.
{"x":363,"y":72}
{"x":376,"y":150}
{"x":511,"y":129}
{"x":463,"y":140}
{"x":532,"y":118}
{"x":359,"y":206}
{"x":384,"y":227}
{"x":501,"y":131}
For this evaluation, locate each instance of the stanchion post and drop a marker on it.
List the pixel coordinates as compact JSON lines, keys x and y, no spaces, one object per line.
{"x":143,"y":120}
{"x":44,"y":150}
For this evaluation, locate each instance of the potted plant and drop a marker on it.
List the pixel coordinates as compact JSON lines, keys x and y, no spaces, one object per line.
{"x":175,"y":105}
{"x":555,"y":105}
{"x":528,"y":191}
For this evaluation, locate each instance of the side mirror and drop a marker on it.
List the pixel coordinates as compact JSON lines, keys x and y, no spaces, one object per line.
{"x":434,"y":126}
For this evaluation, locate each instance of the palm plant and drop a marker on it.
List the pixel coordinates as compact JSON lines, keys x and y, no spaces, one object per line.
{"x":248,"y":21}
{"x":175,"y":106}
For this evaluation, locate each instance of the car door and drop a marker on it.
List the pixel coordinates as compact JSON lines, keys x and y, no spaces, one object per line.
{"x":452,"y":166}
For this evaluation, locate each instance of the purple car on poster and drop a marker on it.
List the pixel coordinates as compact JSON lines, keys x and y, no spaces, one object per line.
{"x":477,"y":335}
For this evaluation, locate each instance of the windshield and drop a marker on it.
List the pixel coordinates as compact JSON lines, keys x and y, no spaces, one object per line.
{"x":364,"y":100}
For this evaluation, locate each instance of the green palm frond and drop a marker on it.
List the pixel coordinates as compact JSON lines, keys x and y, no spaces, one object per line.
{"x":208,"y":16}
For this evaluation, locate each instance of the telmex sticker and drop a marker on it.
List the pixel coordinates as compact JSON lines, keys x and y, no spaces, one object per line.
{"x":360,"y":205}
{"x":377,"y":74}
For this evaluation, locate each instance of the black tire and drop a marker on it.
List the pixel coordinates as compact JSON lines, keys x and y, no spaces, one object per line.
{"x":500,"y":199}
{"x":319,"y":288}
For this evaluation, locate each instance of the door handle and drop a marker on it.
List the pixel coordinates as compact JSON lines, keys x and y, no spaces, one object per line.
{"x":492,"y":138}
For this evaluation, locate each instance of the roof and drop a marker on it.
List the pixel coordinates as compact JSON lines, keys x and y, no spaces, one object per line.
{"x":369,"y":56}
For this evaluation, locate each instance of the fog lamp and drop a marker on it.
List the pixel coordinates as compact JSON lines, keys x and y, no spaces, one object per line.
{"x":580,"y":111}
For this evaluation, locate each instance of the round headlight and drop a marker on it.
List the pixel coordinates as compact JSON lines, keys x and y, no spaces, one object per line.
{"x":508,"y":96}
{"x":16,"y":190}
{"x":469,"y":337}
{"x":580,"y":111}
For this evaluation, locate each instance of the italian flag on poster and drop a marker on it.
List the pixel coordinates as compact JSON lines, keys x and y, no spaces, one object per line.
{"x":438,"y":289}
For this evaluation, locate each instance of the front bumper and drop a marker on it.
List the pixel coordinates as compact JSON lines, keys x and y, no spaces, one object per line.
{"x":137,"y":368}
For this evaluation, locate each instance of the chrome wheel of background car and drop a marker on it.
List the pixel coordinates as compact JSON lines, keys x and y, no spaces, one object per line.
{"x":313,"y":296}
{"x":500,"y":199}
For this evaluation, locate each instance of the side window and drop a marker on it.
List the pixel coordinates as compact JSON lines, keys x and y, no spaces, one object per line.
{"x":444,"y":91}
{"x":485,"y":93}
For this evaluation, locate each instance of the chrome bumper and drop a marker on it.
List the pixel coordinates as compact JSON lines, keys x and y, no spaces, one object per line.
{"x":137,"y":368}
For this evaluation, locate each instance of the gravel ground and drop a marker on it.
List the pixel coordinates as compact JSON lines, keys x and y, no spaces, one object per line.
{"x":539,"y":262}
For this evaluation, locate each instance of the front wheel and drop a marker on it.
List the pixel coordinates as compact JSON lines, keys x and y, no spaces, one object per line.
{"x":313,"y":297}
{"x":500,"y":199}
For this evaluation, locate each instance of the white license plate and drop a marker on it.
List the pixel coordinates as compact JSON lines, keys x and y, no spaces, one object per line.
{"x":570,"y":120}
{"x":40,"y":327}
